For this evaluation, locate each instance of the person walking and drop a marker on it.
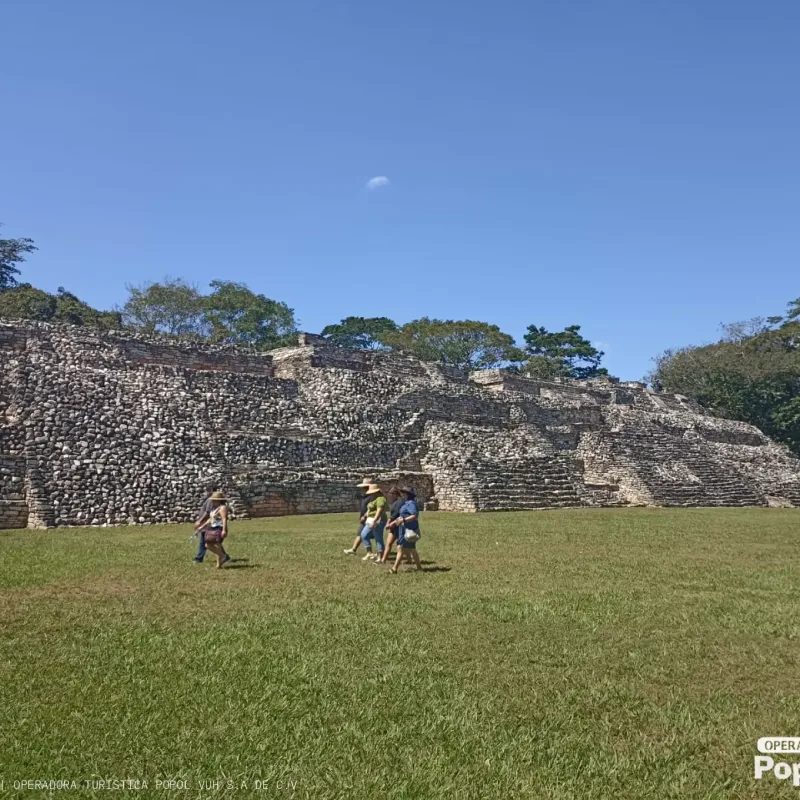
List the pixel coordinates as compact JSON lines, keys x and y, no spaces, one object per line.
{"x":377,"y":509}
{"x":213,"y":527}
{"x":393,"y":524}
{"x":362,"y":517}
{"x":206,"y":509}
{"x":409,"y":532}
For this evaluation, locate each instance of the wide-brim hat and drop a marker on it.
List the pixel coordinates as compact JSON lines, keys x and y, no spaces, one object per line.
{"x":408,"y":490}
{"x":373,"y":488}
{"x":218,"y":496}
{"x":363,"y":485}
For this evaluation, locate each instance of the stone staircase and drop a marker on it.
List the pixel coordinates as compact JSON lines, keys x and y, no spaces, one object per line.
{"x":533,"y":483}
{"x":790,"y":492}
{"x":686,"y":474}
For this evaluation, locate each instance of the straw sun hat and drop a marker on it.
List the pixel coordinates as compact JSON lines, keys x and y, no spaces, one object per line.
{"x":218,"y":496}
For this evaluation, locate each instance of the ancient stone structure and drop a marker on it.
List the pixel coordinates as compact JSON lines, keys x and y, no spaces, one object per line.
{"x":104,"y":428}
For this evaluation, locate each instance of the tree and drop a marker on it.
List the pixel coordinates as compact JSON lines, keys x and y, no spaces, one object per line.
{"x":466,"y":344}
{"x":172,"y":306}
{"x":561,"y":354}
{"x":359,"y":333}
{"x":12,"y":252}
{"x":236,"y":315}
{"x":26,"y":302}
{"x":72,"y":310}
{"x":752,"y":374}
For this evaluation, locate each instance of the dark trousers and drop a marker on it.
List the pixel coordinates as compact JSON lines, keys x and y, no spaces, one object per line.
{"x":201,"y":549}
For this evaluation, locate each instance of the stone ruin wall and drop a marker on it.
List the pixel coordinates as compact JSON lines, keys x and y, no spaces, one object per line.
{"x":105,"y":428}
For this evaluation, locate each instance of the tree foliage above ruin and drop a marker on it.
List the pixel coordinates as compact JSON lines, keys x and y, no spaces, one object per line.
{"x":751,"y":374}
{"x":172,"y":306}
{"x":237,"y":315}
{"x":465,"y":344}
{"x":231,"y":313}
{"x":26,"y":302}
{"x":360,"y":333}
{"x":561,"y":354}
{"x":12,"y":253}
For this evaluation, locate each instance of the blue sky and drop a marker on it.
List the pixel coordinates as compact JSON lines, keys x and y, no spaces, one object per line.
{"x":632,"y":167}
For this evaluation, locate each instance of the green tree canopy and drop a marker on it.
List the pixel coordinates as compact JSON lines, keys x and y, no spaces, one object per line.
{"x":231,"y":313}
{"x":172,"y":306}
{"x":237,"y":315}
{"x":466,"y":344}
{"x":359,"y":333}
{"x":26,"y":302}
{"x":12,"y":252}
{"x":70,"y":309}
{"x":752,"y":374}
{"x":561,"y":354}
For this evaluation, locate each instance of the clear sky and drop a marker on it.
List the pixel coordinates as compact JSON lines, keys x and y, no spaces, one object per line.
{"x":630,"y":166}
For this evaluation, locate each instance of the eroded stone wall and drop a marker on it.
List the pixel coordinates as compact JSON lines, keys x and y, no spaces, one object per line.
{"x":100,"y":428}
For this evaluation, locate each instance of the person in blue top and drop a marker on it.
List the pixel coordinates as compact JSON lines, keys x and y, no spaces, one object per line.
{"x":408,"y":533}
{"x":393,"y":524}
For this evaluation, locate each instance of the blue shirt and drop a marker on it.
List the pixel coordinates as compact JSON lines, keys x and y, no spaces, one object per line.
{"x":410,"y":509}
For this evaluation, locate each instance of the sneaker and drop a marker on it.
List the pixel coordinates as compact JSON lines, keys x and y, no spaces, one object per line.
{"x":368,"y":557}
{"x":226,"y":560}
{"x":350,"y":552}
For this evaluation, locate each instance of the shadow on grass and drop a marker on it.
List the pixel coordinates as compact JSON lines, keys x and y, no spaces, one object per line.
{"x":436,"y":569}
{"x":233,"y":565}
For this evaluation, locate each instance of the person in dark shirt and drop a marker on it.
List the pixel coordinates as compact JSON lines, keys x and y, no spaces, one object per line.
{"x":362,"y":516}
{"x":393,"y":525}
{"x":205,"y":510}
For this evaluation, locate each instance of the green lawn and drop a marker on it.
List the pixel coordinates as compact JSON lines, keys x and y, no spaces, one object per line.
{"x":574,"y":654}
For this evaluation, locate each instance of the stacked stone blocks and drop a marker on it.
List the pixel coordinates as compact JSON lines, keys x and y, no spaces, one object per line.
{"x":106,"y":428}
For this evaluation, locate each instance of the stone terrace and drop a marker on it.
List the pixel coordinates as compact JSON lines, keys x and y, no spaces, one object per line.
{"x":110,"y":428}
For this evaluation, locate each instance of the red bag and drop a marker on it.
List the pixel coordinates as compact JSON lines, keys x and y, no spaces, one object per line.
{"x":212,"y":536}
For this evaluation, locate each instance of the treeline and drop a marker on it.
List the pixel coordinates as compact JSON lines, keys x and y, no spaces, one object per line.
{"x":230,"y":312}
{"x":751,"y":374}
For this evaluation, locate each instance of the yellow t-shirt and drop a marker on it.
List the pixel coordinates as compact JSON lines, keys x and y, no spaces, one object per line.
{"x":377,"y":508}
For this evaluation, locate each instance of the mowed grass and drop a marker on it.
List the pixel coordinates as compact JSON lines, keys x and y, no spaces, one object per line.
{"x":630,"y":653}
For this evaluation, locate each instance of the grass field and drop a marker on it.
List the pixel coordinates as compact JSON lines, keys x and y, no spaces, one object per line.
{"x":576,"y":654}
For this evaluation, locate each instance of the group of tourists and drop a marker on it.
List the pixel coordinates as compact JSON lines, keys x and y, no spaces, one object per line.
{"x":396,"y":517}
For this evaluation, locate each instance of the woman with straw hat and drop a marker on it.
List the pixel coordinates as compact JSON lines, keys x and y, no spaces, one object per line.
{"x":409,"y":529}
{"x":204,"y":510}
{"x":214,"y":526}
{"x":375,"y":522}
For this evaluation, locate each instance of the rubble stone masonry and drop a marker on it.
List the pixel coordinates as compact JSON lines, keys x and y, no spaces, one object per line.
{"x":105,"y":428}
